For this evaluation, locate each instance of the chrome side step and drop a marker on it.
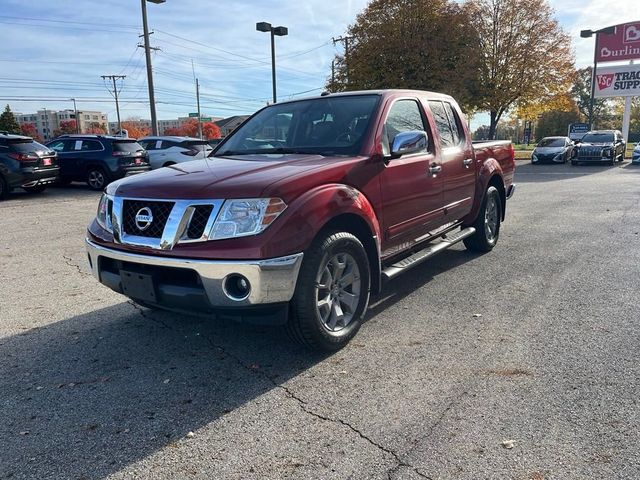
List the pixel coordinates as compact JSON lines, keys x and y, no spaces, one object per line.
{"x":419,"y":257}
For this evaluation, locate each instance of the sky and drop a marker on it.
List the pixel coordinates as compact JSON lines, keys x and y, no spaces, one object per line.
{"x":53,"y":51}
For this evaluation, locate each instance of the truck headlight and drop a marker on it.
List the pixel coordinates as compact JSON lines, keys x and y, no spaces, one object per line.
{"x":607,"y":152}
{"x":103,"y":217}
{"x":534,"y":158}
{"x":246,"y":216}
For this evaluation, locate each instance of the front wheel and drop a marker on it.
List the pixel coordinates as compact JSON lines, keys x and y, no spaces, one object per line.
{"x":332,"y":292}
{"x":487,"y":223}
{"x":4,"y":188}
{"x":96,"y":178}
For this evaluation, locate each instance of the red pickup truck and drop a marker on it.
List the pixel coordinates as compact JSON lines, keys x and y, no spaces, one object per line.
{"x":307,"y":208}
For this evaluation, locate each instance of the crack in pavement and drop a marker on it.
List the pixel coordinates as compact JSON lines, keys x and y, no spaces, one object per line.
{"x":70,"y":263}
{"x":305,"y":408}
{"x":140,"y":310}
{"x":303,"y":405}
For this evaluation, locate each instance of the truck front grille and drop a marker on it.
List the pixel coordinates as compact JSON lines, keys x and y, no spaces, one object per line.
{"x":199,"y":221}
{"x":159,"y":210}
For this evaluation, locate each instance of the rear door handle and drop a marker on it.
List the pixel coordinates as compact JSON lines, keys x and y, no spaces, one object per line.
{"x":435,"y":169}
{"x":467,"y":162}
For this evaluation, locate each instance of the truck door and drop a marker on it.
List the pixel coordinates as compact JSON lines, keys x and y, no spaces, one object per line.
{"x":458,"y":161}
{"x":411,"y":185}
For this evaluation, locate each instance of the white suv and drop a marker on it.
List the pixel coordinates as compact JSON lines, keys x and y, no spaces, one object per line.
{"x":164,"y":151}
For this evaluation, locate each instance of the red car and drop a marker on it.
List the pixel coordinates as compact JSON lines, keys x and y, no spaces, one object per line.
{"x":304,"y":210}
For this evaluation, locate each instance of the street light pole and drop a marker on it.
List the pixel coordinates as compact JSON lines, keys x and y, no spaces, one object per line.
{"x":589,"y":34}
{"x":281,"y":32}
{"x":147,"y":52}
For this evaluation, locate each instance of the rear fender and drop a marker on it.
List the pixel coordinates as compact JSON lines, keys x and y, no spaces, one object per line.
{"x":490,"y":173}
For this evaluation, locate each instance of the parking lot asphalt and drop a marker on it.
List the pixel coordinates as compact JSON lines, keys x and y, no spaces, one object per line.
{"x":522,"y":363}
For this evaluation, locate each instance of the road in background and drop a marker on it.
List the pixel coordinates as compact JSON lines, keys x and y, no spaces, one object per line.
{"x":535,"y":343}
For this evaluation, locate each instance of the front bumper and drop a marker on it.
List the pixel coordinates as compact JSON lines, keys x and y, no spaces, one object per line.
{"x":196,"y":285}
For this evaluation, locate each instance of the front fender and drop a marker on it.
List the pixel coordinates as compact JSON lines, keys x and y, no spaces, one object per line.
{"x":310,"y":212}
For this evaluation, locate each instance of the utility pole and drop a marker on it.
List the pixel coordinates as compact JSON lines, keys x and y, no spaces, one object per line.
{"x":113,"y":78}
{"x":333,"y":72}
{"x":345,"y":41}
{"x":147,"y":52}
{"x":75,"y":112}
{"x":199,"y":116}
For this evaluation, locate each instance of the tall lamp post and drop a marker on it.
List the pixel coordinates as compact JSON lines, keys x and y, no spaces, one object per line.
{"x":75,"y":113}
{"x":147,"y":52}
{"x":588,"y":34}
{"x":281,"y":32}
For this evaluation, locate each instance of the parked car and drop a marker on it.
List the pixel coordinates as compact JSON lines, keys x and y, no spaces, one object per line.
{"x":298,"y":224}
{"x":98,"y":159}
{"x":25,"y":163}
{"x":599,"y":146}
{"x":635,"y":156}
{"x":165,"y":151}
{"x":552,"y":150}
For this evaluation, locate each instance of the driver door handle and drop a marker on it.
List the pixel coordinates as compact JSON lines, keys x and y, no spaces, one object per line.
{"x":467,"y":161}
{"x":434,"y":168}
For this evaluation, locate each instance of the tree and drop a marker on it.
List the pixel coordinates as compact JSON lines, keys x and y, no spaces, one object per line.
{"x":8,"y":122}
{"x":581,"y":92}
{"x":525,"y":55}
{"x":418,"y":44}
{"x":30,"y":130}
{"x":210,"y":131}
{"x":96,"y":128}
{"x":134,"y":129}
{"x":66,"y":126}
{"x":556,"y":123}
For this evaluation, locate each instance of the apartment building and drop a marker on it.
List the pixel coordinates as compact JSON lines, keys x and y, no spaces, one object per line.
{"x":48,"y":121}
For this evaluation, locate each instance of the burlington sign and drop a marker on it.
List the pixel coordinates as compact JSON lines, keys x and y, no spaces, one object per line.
{"x":620,"y":81}
{"x":624,"y":44}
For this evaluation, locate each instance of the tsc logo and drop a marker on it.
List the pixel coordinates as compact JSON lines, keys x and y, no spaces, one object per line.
{"x":631,"y":34}
{"x":605,"y":81}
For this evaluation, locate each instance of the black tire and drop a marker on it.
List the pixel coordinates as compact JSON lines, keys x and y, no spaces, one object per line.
{"x":611,"y":162}
{"x":4,"y":188}
{"x":96,"y":178}
{"x":36,"y":189}
{"x":490,"y":214}
{"x":168,"y":164}
{"x":307,"y":323}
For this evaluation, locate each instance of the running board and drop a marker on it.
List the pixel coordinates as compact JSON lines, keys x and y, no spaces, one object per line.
{"x":419,"y":257}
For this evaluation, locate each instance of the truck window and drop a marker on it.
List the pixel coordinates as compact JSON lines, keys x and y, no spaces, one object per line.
{"x":442,"y":124}
{"x":455,"y":124}
{"x":403,"y":116}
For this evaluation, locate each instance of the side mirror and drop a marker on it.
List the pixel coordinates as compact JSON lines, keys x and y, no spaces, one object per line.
{"x":406,"y":143}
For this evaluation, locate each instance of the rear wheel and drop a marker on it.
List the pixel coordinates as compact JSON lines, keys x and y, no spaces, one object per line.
{"x":96,"y":178}
{"x":35,"y":189}
{"x":4,"y":188}
{"x":332,"y":293}
{"x":487,"y":223}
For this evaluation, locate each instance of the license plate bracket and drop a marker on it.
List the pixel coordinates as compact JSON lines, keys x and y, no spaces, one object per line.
{"x":138,"y":285}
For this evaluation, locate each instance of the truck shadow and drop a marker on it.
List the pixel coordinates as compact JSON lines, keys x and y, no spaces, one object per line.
{"x":84,"y":397}
{"x":87,"y":396}
{"x":407,"y":283}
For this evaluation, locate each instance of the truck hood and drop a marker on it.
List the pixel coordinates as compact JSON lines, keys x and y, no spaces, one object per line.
{"x":242,"y":176}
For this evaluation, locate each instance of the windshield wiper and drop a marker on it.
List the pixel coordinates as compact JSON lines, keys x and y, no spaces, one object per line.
{"x":267,"y":151}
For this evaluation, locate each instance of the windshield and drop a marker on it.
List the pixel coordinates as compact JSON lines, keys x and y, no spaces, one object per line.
{"x":598,"y":138}
{"x":324,"y":126}
{"x":551,"y":142}
{"x":127,"y":146}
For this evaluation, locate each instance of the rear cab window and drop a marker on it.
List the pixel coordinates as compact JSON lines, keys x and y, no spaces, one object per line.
{"x":448,"y":124}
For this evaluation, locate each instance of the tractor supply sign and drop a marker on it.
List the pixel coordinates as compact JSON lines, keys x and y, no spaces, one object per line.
{"x":624,"y":44}
{"x":622,"y":81}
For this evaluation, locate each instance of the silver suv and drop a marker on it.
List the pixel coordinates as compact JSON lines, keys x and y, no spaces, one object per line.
{"x":167,"y":150}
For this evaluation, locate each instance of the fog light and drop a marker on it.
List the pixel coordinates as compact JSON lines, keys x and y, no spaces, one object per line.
{"x":236,"y":287}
